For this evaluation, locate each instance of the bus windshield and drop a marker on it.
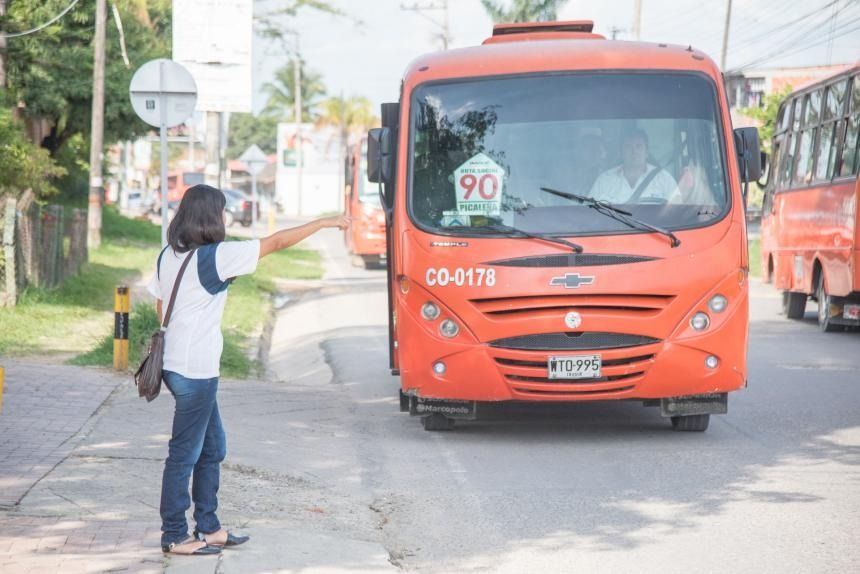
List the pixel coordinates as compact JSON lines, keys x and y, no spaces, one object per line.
{"x":648,"y":143}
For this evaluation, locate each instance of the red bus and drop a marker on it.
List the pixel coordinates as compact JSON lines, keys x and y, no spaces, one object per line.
{"x":565,"y":223}
{"x":365,"y":237}
{"x":810,"y":237}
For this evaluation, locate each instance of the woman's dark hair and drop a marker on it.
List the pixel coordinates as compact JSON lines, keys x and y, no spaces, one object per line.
{"x":199,"y":219}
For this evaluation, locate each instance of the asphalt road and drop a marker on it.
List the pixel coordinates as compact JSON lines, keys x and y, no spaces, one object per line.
{"x":770,"y":487}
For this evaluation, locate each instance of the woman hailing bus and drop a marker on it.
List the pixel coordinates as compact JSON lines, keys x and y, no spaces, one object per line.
{"x":192,"y":355}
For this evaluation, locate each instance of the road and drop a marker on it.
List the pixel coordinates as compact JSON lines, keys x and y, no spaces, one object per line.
{"x":770,"y":487}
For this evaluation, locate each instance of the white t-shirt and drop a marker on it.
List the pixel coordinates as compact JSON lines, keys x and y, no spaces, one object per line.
{"x":612,"y":186}
{"x":193,"y":340}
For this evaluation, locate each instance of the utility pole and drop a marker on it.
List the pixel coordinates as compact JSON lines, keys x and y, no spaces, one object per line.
{"x":442,"y":5}
{"x":637,"y":19}
{"x":2,"y":49}
{"x":94,"y":213}
{"x":725,"y":49}
{"x":297,"y":100}
{"x":212,"y":171}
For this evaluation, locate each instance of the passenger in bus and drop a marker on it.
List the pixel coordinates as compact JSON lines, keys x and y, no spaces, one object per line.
{"x":694,"y":188}
{"x":635,"y":180}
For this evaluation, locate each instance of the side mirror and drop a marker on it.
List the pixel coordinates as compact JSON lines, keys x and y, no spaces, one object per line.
{"x":380,"y":160}
{"x":749,"y":153}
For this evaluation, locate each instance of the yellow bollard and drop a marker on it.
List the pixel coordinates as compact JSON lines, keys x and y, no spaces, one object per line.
{"x":1,"y":390}
{"x":120,"y":328}
{"x":271,"y":219}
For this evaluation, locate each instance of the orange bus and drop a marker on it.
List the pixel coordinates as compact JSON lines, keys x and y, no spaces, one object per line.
{"x":565,"y":223}
{"x":810,"y":237}
{"x":365,"y":237}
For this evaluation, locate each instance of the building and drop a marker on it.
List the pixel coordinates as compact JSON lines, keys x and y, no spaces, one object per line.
{"x":748,"y":88}
{"x":318,"y":187}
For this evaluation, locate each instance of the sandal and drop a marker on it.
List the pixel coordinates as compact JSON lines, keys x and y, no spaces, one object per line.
{"x":232,"y":539}
{"x":177,"y":548}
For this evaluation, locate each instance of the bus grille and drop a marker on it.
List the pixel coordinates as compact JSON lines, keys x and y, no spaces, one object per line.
{"x":628,"y":305}
{"x":573,"y":341}
{"x":571,"y":260}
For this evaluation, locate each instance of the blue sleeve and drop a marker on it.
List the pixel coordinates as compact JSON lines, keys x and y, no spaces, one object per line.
{"x":208,"y":272}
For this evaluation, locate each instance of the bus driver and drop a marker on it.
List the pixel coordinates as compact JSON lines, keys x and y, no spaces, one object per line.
{"x":635,"y":179}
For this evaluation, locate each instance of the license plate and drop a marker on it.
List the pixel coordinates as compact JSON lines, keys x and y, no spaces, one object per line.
{"x":574,"y":367}
{"x":851,"y":312}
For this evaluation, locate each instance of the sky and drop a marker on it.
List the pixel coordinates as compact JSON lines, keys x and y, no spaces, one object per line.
{"x":366,"y":52}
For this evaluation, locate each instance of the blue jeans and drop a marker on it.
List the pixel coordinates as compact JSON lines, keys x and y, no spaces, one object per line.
{"x":197,"y":444}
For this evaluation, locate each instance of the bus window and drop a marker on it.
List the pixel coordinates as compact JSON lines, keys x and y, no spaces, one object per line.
{"x":784,"y":116}
{"x":813,"y":109}
{"x":835,"y":104}
{"x":825,"y":155}
{"x":849,"y":146}
{"x":803,"y":165}
{"x":784,"y":171}
{"x":796,"y":107}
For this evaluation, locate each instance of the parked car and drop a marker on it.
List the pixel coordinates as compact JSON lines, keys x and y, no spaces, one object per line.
{"x":238,"y":208}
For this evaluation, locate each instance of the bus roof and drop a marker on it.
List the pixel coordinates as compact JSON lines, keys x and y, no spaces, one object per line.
{"x":531,"y":52}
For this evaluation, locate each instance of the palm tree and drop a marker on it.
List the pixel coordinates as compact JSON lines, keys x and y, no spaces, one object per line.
{"x":281,"y":92}
{"x":352,"y":115}
{"x":524,"y":10}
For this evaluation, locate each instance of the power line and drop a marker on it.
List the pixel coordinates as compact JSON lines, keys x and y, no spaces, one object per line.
{"x":796,"y":42}
{"x":842,"y":29}
{"x":43,"y":26}
{"x":785,"y":26}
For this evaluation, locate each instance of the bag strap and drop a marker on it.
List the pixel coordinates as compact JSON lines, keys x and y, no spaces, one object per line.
{"x":643,"y":185}
{"x":176,"y":289}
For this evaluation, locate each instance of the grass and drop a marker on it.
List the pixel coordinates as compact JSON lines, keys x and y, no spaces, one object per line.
{"x":755,"y":257}
{"x":71,"y":318}
{"x":77,"y":318}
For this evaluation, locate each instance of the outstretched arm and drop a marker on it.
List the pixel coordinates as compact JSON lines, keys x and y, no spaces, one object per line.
{"x":288,"y":237}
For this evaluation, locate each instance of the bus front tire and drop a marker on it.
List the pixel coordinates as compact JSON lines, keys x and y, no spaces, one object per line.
{"x":793,"y":304}
{"x":825,"y":320}
{"x":437,"y":422}
{"x":691,"y":423}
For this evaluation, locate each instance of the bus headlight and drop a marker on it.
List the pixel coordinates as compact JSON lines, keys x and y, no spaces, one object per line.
{"x":430,"y":311}
{"x":700,"y":321}
{"x":448,"y":328}
{"x":718,"y":303}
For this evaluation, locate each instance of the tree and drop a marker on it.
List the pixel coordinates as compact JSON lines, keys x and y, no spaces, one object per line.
{"x":281,"y":92}
{"x":523,"y":10}
{"x":24,"y":165}
{"x":50,"y":72}
{"x":766,"y":115}
{"x":352,"y":115}
{"x":247,"y":129}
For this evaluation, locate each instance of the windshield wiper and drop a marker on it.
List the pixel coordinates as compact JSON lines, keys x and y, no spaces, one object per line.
{"x":501,"y":227}
{"x":614,"y":212}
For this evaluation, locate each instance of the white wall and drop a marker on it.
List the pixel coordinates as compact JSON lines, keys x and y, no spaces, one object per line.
{"x":321,"y":176}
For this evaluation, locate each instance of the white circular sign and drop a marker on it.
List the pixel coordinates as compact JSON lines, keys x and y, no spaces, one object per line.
{"x":163,"y":92}
{"x":573,"y":320}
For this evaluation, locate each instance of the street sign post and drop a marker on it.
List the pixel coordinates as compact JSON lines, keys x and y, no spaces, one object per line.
{"x":163,"y":94}
{"x":254,"y":160}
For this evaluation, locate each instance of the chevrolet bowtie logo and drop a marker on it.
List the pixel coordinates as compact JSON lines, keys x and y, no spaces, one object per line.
{"x":571,"y":281}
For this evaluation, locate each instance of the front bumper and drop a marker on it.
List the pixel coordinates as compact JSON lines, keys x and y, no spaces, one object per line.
{"x":656,"y":369}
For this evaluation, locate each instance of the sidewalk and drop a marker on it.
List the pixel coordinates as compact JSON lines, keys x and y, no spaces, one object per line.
{"x":81,"y":458}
